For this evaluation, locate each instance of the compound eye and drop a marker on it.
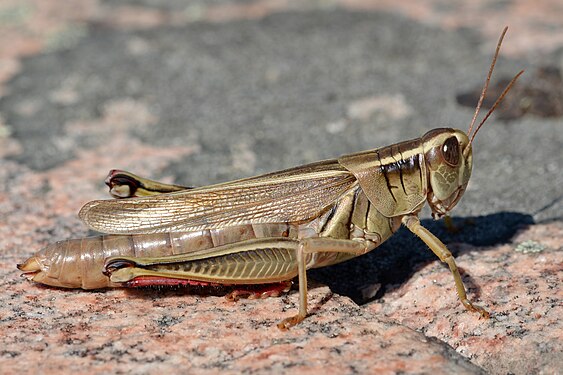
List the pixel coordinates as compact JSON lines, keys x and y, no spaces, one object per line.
{"x":450,"y":151}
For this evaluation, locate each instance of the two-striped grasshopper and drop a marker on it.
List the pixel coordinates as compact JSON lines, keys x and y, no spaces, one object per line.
{"x":267,"y":229}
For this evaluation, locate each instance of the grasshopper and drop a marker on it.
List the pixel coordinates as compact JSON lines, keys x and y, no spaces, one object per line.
{"x":268,"y":229}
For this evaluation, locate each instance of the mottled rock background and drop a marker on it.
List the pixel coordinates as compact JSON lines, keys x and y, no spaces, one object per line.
{"x":200,"y":92}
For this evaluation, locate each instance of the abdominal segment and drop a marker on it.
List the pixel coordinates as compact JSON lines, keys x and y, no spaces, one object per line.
{"x":79,"y":263}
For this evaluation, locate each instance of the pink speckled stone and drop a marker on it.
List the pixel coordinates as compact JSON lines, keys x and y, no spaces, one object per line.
{"x":522,"y":291}
{"x":51,"y":331}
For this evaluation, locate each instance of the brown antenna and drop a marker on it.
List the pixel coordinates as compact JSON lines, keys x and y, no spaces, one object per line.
{"x":484,"y":92}
{"x":499,"y":100}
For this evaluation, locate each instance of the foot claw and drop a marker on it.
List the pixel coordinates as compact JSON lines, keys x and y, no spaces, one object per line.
{"x":287,"y":323}
{"x":484,"y":313}
{"x":471,"y":307}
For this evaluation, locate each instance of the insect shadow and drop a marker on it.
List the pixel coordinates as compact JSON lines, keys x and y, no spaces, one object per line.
{"x":396,"y":260}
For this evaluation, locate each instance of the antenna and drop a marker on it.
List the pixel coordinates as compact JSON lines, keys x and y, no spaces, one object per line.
{"x":484,"y":93}
{"x":499,"y":100}
{"x":485,"y":88}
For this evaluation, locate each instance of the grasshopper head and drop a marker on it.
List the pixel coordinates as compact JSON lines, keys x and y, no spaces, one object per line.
{"x":447,"y":153}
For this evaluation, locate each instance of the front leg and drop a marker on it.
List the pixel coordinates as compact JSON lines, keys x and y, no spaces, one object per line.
{"x":413,"y":223}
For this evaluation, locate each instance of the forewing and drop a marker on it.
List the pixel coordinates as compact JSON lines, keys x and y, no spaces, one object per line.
{"x":293,"y":195}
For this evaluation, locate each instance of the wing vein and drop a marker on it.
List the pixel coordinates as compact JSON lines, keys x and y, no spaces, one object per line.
{"x":281,"y":197}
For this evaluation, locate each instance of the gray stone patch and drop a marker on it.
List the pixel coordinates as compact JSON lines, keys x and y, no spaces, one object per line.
{"x":276,"y":84}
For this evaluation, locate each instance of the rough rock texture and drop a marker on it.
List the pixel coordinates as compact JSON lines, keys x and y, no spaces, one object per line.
{"x":203,"y":92}
{"x":521,"y":291}
{"x":119,"y":331}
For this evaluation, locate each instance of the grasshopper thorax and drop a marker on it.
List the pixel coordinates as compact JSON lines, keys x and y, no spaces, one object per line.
{"x":447,"y":154}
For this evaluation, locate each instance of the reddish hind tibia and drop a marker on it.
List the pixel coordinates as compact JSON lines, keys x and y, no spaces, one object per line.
{"x":256,"y":291}
{"x":259,"y":291}
{"x":144,"y":281}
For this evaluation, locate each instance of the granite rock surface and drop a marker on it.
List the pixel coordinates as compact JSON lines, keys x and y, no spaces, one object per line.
{"x":203,"y":92}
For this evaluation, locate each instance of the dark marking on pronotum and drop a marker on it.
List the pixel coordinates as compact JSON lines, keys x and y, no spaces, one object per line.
{"x":401,"y":164}
{"x":384,"y":171}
